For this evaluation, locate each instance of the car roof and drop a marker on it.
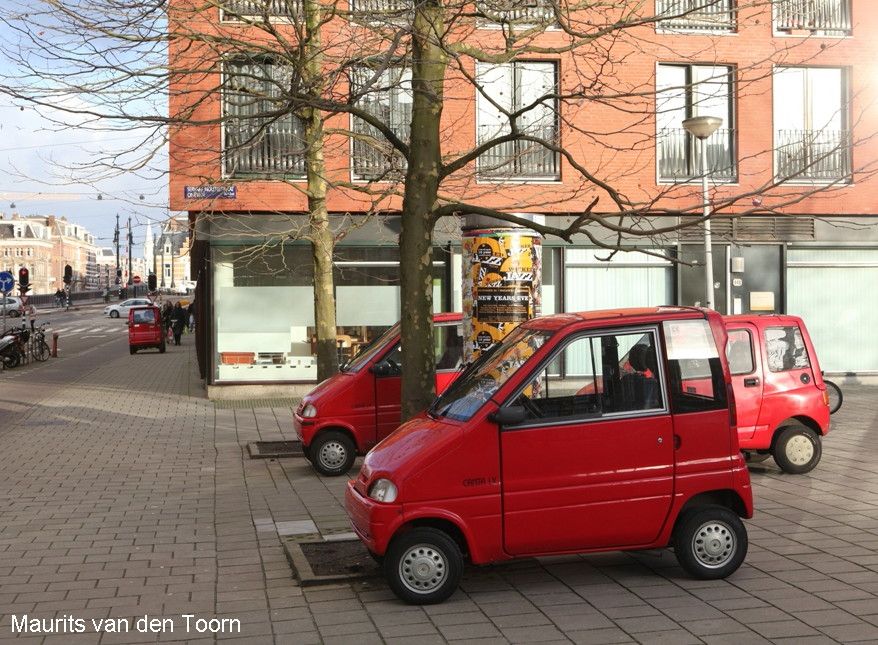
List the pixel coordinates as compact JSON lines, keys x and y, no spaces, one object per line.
{"x":633,"y":315}
{"x":763,"y":319}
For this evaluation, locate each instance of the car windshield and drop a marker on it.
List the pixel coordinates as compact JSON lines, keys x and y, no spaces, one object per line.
{"x":366,"y":354}
{"x":484,"y":377}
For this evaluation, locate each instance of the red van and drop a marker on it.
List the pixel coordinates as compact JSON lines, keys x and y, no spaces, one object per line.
{"x":352,"y":411}
{"x":145,"y":329}
{"x":584,"y":432}
{"x":782,"y":402}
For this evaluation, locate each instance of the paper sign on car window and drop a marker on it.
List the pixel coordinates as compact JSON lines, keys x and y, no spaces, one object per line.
{"x":687,"y":339}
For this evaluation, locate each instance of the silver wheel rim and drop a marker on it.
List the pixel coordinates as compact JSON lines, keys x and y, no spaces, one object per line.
{"x":423,"y":568}
{"x":333,"y":454}
{"x":799,"y":450}
{"x":714,"y":544}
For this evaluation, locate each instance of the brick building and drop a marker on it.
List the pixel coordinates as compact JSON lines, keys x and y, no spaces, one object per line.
{"x":45,"y":245}
{"x":793,"y":161}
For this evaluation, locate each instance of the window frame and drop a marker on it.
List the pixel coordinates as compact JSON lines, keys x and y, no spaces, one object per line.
{"x":688,"y":90}
{"x":556,"y":108}
{"x":796,"y":329}
{"x":225,"y":118}
{"x":612,"y":416}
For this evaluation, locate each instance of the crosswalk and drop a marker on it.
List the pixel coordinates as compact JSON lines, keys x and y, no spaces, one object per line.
{"x":88,"y":330}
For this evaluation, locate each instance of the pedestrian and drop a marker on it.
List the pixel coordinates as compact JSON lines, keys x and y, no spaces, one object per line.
{"x":106,"y":294}
{"x":166,"y":318}
{"x":59,"y":296}
{"x":191,"y":311}
{"x":178,"y":321}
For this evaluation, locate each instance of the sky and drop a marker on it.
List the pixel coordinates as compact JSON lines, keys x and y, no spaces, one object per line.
{"x":37,"y":177}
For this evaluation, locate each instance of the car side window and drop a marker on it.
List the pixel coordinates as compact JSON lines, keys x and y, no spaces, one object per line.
{"x":739,"y":352}
{"x":696,"y":380}
{"x":448,"y":347}
{"x":785,"y":349}
{"x":595,"y":376}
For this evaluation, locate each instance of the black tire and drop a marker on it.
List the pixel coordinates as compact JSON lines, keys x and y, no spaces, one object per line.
{"x":162,"y":347}
{"x":333,"y":453}
{"x":13,"y":313}
{"x":753,"y":457}
{"x":710,"y":542}
{"x":797,"y":449}
{"x":114,"y":314}
{"x":423,"y":566}
{"x":133,"y":350}
{"x":306,"y":450}
{"x":836,"y":398}
{"x":42,"y":351}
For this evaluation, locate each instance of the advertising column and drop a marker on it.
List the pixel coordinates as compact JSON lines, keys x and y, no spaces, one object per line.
{"x":501,"y":284}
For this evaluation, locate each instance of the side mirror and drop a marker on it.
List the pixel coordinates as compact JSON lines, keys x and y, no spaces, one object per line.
{"x":384,"y":369}
{"x":509,"y":416}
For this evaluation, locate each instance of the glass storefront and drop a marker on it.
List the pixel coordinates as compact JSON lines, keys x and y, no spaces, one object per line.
{"x":263,"y":303}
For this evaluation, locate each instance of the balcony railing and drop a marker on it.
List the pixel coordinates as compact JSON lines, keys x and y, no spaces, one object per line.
{"x":376,"y":10}
{"x":679,"y":155}
{"x":832,"y":17}
{"x":521,"y":12}
{"x":258,"y":8}
{"x":821,"y":155}
{"x":519,"y":159}
{"x":376,"y":159}
{"x":696,"y":15}
{"x":278,"y":150}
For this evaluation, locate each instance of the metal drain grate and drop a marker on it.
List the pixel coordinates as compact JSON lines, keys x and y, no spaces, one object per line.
{"x":274,"y":449}
{"x":256,"y":403}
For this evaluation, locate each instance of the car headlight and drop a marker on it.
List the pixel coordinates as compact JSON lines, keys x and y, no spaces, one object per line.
{"x":383,"y":490}
{"x":309,"y":411}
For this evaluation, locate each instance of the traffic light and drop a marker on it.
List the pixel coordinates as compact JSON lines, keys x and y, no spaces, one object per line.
{"x":151,"y":282}
{"x":118,"y":276}
{"x":23,"y":280}
{"x":68,"y":274}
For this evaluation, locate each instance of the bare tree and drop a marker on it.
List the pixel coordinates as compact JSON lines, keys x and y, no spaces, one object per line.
{"x":573,"y":134}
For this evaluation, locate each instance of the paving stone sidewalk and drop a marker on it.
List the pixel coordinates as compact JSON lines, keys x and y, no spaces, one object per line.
{"x":126,"y":494}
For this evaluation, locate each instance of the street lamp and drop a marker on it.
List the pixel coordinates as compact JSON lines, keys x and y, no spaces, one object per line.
{"x":701,"y":127}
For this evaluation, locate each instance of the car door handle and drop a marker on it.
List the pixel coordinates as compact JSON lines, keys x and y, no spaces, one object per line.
{"x":751,"y":382}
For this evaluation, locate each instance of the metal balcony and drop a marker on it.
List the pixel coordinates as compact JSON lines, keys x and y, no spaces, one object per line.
{"x":278,"y":150}
{"x":679,"y":155}
{"x":519,"y":12}
{"x":376,"y":10}
{"x":696,"y":15}
{"x":519,"y":159}
{"x":813,"y":155}
{"x":827,"y":17}
{"x":259,"y":8}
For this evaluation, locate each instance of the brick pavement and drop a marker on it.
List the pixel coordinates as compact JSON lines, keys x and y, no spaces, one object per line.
{"x":127,"y":493}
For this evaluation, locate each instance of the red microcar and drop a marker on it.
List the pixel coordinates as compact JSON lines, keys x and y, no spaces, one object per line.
{"x":596,"y":431}
{"x":355,"y":409}
{"x":782,"y":402}
{"x":145,"y":329}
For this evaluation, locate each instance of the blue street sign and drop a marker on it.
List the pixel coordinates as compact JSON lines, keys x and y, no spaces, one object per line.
{"x":7,"y":282}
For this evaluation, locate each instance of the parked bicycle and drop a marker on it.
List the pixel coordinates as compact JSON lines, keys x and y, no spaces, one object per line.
{"x":836,"y":398}
{"x":39,"y":348}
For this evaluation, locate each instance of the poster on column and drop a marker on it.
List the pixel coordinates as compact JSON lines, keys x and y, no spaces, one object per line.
{"x":501,"y":289}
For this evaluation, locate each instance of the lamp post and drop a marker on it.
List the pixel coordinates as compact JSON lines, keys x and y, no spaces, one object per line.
{"x":701,"y":127}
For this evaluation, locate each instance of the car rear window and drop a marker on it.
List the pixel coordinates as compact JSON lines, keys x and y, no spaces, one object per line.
{"x":697,"y":382}
{"x":786,"y":349}
{"x":147,"y":316}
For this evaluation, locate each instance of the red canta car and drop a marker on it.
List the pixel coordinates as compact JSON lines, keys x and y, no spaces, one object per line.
{"x":782,"y":402}
{"x":353,"y":410}
{"x":585,"y":432}
{"x":145,"y":329}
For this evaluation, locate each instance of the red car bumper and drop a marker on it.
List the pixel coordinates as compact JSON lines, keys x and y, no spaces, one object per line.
{"x":373,"y":522}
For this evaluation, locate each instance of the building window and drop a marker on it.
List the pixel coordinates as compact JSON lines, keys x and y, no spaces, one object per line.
{"x":813,"y":17}
{"x":258,"y":141}
{"x":507,"y":89}
{"x":684,"y":91}
{"x":696,"y":15}
{"x":261,"y":9}
{"x":811,"y":138}
{"x":520,"y":13}
{"x":388,"y":97}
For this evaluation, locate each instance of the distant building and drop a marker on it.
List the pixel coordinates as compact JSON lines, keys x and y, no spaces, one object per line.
{"x":45,"y":244}
{"x":172,"y":255}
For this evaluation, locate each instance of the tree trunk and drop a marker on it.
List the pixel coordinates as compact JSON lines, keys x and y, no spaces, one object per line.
{"x":320,"y":234}
{"x":421,"y":188}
